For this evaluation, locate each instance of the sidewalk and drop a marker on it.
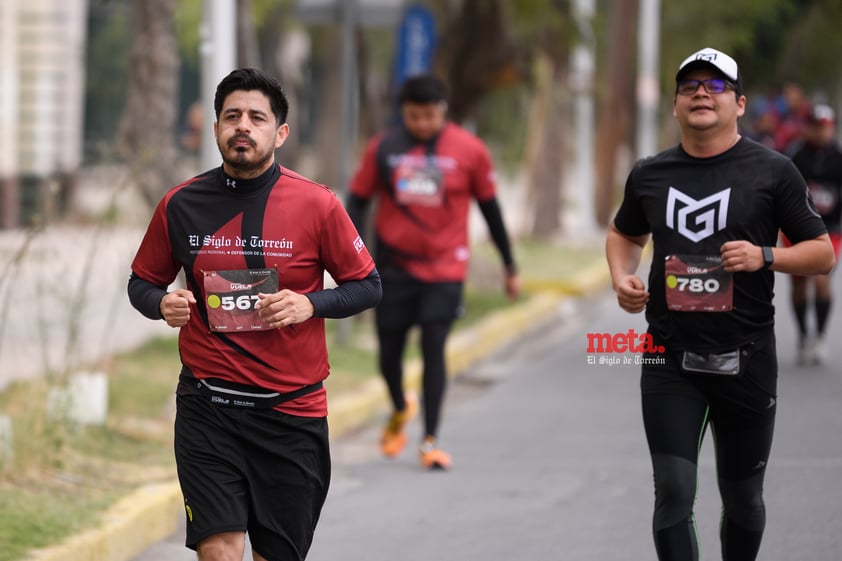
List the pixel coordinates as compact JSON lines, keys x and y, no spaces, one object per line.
{"x":153,"y":512}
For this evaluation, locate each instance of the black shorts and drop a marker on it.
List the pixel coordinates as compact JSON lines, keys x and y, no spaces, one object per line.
{"x":747,"y":398}
{"x":260,"y":471}
{"x":409,"y":302}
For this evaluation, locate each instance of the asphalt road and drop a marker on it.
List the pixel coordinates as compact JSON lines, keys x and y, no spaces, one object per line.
{"x":550,"y":462}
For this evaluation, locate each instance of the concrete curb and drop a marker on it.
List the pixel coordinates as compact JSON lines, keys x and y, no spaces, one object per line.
{"x":152,"y":513}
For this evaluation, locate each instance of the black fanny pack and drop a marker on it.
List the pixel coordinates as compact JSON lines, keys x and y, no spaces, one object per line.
{"x":230,"y":394}
{"x":727,"y":363}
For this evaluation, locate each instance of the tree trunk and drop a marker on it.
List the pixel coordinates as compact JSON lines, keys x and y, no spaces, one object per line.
{"x":248,"y":50}
{"x":615,"y":107}
{"x":476,"y":55}
{"x":330,"y":115}
{"x":545,"y":149}
{"x":147,"y":132}
{"x":283,"y":53}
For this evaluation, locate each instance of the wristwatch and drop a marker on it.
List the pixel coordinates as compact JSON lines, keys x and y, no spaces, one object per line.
{"x":768,"y":257}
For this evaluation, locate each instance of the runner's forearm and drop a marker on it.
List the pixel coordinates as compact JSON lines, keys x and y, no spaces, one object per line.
{"x":809,"y":257}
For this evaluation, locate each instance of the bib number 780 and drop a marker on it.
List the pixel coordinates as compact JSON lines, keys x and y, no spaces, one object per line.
{"x":696,"y":285}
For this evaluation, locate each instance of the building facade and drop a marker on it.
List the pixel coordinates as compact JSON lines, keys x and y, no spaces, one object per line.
{"x":42,"y":76}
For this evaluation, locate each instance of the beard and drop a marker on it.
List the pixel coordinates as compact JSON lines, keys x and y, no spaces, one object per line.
{"x":244,"y":162}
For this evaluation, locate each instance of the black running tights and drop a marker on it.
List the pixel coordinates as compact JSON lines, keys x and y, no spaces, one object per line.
{"x":675,"y":425}
{"x":392,"y":345}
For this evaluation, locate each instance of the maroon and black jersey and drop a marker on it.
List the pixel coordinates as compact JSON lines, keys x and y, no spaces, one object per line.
{"x":822,"y":169}
{"x":424,"y":193}
{"x":284,"y":223}
{"x":691,"y":206}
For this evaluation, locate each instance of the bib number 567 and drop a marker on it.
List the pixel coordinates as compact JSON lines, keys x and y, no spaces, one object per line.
{"x":229,"y":303}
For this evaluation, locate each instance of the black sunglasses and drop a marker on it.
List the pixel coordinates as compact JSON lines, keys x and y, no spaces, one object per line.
{"x":711,"y":85}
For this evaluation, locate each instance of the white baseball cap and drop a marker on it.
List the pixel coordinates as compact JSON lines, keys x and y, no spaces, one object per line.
{"x":711,"y":58}
{"x":821,"y":113}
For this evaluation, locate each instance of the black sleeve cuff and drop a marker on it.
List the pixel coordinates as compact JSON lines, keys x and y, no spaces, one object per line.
{"x":146,"y":297}
{"x":494,"y":218}
{"x":347,"y":299}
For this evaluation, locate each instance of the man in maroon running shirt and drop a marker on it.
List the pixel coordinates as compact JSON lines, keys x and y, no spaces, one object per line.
{"x":254,"y":240}
{"x":424,"y":173}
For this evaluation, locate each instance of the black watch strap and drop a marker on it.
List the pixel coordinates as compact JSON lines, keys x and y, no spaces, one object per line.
{"x":768,"y":257}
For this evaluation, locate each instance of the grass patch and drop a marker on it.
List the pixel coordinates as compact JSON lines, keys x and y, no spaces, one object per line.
{"x":142,"y":382}
{"x":37,"y":516}
{"x":545,"y":260}
{"x":118,"y":443}
{"x":543,"y":265}
{"x":62,"y":476}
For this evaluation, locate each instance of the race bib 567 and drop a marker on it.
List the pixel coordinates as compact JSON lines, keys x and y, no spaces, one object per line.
{"x":230,"y":297}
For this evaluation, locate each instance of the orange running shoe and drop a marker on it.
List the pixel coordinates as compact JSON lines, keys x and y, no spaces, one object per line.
{"x":393,"y":440}
{"x":431,"y":457}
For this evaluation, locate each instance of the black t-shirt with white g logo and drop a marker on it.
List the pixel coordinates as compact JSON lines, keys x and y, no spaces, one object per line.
{"x":691,"y":206}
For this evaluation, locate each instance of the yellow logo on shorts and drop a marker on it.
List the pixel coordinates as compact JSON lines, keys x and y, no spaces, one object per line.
{"x":189,"y":512}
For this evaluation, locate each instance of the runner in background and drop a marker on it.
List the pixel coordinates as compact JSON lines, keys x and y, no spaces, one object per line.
{"x":792,"y":108}
{"x":819,"y":159}
{"x":424,"y":173}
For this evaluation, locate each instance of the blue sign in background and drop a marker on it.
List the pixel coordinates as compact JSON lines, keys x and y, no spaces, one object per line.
{"x":416,"y":44}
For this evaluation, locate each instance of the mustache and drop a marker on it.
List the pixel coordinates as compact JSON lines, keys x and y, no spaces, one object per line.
{"x":238,"y":137}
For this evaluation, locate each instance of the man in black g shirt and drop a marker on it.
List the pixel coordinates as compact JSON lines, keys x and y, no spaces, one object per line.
{"x":712,"y":206}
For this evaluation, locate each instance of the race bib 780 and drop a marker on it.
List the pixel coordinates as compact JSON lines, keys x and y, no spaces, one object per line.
{"x":698,"y":283}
